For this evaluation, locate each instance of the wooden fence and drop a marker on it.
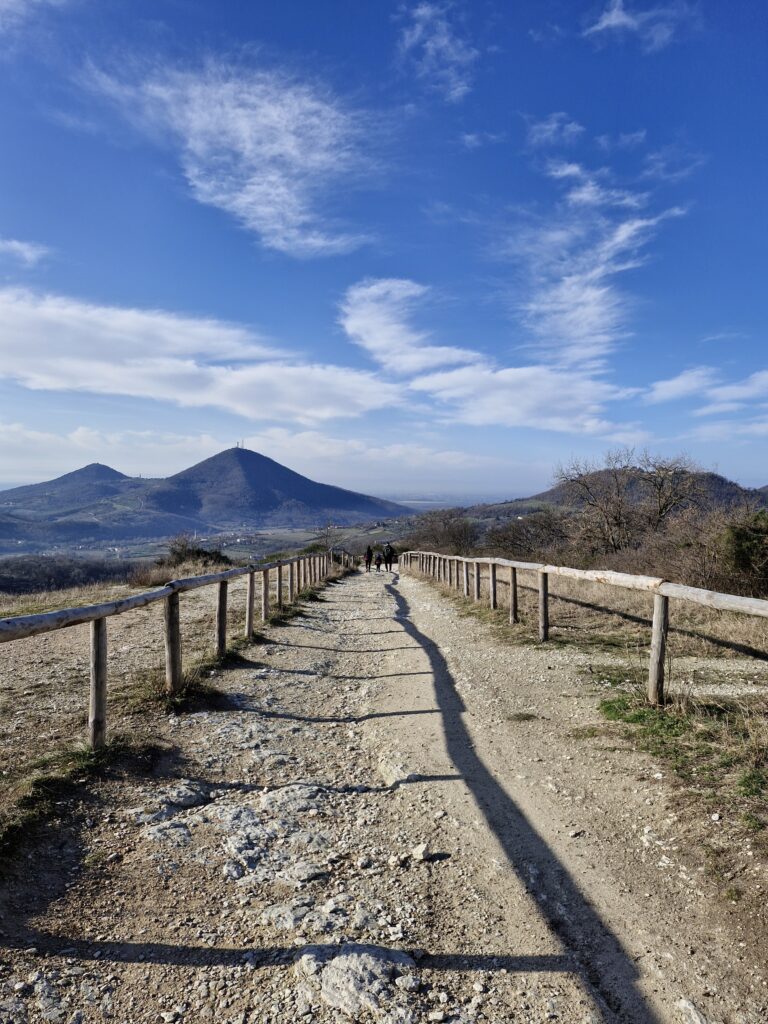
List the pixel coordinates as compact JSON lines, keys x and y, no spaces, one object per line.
{"x":455,"y":572}
{"x":292,"y":576}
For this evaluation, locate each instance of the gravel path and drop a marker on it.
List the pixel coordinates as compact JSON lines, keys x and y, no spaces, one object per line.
{"x":390,"y":821}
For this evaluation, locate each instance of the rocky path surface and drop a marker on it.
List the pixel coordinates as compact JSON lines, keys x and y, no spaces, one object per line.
{"x":391,"y":821}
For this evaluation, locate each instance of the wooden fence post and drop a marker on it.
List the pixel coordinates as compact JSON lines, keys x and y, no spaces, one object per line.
{"x":466,"y":578}
{"x":291,"y":582}
{"x":450,"y":572}
{"x":543,"y":606}
{"x":477,"y":580}
{"x":221,"y":620}
{"x":492,"y":584}
{"x":173,"y":671}
{"x":658,"y":649}
{"x":513,"y":616}
{"x":97,"y":707}
{"x":264,"y":595}
{"x":280,"y":585}
{"x":249,"y":602}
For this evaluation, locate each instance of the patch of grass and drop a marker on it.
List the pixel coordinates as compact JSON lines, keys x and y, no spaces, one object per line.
{"x":717,"y":747}
{"x":588,"y":732}
{"x":753,"y":782}
{"x":145,"y":691}
{"x":752,"y":822}
{"x":522,"y":716}
{"x":47,"y":780}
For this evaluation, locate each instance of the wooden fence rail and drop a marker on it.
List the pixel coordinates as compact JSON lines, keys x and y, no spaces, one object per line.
{"x":310,"y":569}
{"x":430,"y":564}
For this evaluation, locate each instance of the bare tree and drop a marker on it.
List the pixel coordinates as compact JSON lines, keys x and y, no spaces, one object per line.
{"x":445,"y":530}
{"x":601,"y":494}
{"x":537,"y":535}
{"x":625,"y":495}
{"x":670,"y":484}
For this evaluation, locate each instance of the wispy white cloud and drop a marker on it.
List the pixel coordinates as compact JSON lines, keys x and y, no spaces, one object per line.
{"x":655,"y":27}
{"x":690,"y":382}
{"x":574,"y":308}
{"x":723,"y":336}
{"x":376,"y":314}
{"x":588,"y":190}
{"x":542,"y":397}
{"x":554,"y":130}
{"x":474,"y":140}
{"x":439,"y":55}
{"x":27,"y":253}
{"x":259,"y":144}
{"x":752,"y":388}
{"x":624,"y":140}
{"x":671,"y":164}
{"x":732,"y":430}
{"x":14,"y":12}
{"x":312,"y":445}
{"x":718,"y":409}
{"x":56,"y":343}
{"x":462,"y":385}
{"x":720,"y":398}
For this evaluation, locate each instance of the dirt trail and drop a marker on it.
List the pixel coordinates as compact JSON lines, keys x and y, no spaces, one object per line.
{"x":388,"y":821}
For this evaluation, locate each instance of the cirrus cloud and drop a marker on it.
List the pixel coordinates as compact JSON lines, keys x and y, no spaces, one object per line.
{"x":437,"y":52}
{"x":259,"y":144}
{"x":375,"y":314}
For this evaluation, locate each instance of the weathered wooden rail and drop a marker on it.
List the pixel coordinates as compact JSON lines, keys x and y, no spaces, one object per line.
{"x":302,"y":571}
{"x":445,"y":569}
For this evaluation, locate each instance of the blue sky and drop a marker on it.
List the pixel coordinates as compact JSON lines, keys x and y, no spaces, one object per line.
{"x":409,"y":248}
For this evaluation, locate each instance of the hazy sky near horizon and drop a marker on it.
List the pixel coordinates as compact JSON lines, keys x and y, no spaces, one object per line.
{"x":408,"y":248}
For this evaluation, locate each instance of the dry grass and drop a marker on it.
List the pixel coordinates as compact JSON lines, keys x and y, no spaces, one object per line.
{"x":41,"y":601}
{"x":44,"y":684}
{"x":717,"y":747}
{"x":594,"y":616}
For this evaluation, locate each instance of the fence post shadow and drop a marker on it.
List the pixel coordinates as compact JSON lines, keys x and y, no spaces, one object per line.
{"x":598,"y":954}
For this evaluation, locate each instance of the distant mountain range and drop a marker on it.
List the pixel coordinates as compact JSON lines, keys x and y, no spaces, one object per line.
{"x":236,"y":489}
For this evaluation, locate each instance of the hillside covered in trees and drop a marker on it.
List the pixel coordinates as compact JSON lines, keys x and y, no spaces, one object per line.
{"x":633,"y":512}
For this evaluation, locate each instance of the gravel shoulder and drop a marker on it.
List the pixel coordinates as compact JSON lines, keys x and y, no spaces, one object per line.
{"x":390,"y":820}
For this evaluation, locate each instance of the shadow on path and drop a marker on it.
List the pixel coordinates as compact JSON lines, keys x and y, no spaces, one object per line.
{"x":207,"y":956}
{"x":597,"y":953}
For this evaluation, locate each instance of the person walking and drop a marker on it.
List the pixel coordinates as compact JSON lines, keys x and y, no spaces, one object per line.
{"x":368,"y":558}
{"x":389,"y":556}
{"x":378,"y":561}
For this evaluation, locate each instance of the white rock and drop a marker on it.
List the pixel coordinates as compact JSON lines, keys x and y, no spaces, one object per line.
{"x":420,"y":852}
{"x":690,"y":1014}
{"x":357,"y":979}
{"x":407,"y":982}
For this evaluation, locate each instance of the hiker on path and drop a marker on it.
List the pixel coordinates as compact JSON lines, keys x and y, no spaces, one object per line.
{"x":389,"y":556}
{"x":368,"y":558}
{"x":378,"y":561}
